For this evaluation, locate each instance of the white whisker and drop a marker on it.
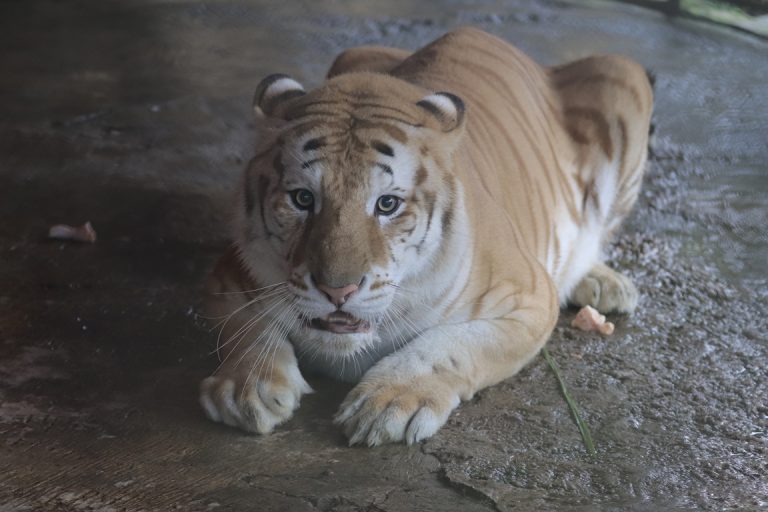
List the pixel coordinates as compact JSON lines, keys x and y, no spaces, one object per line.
{"x":269,"y":347}
{"x":251,"y":291}
{"x":256,"y":299}
{"x":245,"y":331}
{"x":248,"y":325}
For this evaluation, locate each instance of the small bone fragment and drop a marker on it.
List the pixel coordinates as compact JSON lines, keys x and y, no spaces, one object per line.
{"x":589,"y":319}
{"x":84,"y":233}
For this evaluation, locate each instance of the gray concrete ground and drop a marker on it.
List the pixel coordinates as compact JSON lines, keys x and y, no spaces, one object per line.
{"x":136,"y":116}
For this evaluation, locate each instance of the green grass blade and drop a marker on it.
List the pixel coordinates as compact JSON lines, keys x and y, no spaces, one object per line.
{"x":583,"y":427}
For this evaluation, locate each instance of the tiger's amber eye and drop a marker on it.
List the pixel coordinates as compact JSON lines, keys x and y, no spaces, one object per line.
{"x":302,"y":198}
{"x":387,"y":205}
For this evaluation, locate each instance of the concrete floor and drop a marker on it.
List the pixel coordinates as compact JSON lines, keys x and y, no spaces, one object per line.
{"x":136,"y":116}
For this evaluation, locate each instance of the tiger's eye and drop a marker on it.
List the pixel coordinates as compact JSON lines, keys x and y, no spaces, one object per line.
{"x":386,"y":205}
{"x":302,"y":198}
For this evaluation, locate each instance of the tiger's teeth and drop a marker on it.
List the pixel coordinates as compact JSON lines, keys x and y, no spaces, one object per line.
{"x":341,"y":322}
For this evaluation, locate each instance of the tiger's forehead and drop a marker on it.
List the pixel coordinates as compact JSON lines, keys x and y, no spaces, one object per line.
{"x":355,"y":113}
{"x":348,"y":134}
{"x":351,"y":144}
{"x":361,"y":157}
{"x":355,"y":133}
{"x":361,"y":97}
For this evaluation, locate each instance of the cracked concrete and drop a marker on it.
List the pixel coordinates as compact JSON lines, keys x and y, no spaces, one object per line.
{"x":135,"y":115}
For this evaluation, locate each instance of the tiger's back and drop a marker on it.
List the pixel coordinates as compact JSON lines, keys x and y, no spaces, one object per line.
{"x":556,"y":154}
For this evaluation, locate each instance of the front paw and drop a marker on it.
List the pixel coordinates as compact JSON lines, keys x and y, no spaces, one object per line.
{"x":252,"y":400}
{"x":380,"y":411}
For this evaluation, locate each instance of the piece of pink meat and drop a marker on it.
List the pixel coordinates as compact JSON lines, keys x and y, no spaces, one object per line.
{"x":589,"y":319}
{"x":84,"y":233}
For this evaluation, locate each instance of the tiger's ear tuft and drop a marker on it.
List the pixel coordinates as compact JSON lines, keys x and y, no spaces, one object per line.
{"x":273,"y":91}
{"x":446,"y":107}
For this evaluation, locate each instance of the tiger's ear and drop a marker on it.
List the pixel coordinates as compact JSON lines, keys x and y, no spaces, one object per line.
{"x":273,"y":92}
{"x":447,"y":108}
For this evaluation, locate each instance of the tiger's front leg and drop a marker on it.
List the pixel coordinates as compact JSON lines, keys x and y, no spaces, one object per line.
{"x":257,"y":386}
{"x":409,"y":394}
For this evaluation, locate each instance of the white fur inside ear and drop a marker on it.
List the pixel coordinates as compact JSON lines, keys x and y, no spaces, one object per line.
{"x":280,"y":86}
{"x":443,"y":104}
{"x":446,"y":107}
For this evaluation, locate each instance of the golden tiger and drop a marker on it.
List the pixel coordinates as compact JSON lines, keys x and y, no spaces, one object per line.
{"x":414,"y":224}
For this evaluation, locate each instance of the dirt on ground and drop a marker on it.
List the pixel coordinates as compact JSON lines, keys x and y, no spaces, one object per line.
{"x":136,"y":116}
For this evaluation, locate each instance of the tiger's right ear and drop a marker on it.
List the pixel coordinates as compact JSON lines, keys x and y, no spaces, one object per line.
{"x":448,"y":109}
{"x":274,"y":91}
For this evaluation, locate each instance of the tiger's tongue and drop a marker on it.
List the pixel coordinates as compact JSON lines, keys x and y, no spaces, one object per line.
{"x":341,"y":323}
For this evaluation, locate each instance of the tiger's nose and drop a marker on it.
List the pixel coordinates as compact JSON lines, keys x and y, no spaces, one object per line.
{"x":338,"y":296}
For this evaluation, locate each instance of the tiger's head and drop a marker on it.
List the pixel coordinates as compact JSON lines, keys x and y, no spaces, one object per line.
{"x":349,"y":198}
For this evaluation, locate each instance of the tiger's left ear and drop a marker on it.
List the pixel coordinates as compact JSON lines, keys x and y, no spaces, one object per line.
{"x":447,"y":108}
{"x":272,"y":92}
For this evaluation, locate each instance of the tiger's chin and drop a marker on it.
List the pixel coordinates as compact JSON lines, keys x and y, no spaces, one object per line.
{"x":335,"y":337}
{"x":344,"y":357}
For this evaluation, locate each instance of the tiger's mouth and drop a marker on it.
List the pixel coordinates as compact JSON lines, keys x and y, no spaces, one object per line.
{"x":340,"y":322}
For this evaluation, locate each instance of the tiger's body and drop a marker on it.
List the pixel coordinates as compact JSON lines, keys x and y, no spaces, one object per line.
{"x":499,"y":217}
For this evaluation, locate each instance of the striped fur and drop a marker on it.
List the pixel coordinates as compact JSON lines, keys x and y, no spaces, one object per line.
{"x":511,"y":181}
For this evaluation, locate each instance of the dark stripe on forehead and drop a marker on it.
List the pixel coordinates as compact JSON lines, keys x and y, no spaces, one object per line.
{"x":395,"y":133}
{"x":385,"y":149}
{"x":384,"y":167}
{"x":378,"y":106}
{"x":310,"y":163}
{"x":302,"y":128}
{"x":313,"y":144}
{"x":339,"y":123}
{"x":313,"y":115}
{"x":385,"y":117}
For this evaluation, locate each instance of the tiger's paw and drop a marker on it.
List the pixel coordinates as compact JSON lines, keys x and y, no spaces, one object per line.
{"x":255,"y":404}
{"x":605,"y":290}
{"x":378,"y":411}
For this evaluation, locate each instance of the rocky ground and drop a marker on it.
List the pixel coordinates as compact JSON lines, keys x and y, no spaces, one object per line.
{"x":136,"y":116}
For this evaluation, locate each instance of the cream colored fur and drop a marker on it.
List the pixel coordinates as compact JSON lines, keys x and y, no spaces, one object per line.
{"x":508,"y":198}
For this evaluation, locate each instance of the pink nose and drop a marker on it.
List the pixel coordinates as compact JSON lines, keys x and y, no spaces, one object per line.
{"x":338,"y":296}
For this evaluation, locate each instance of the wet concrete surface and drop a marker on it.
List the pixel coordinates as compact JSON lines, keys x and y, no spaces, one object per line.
{"x":136,"y":116}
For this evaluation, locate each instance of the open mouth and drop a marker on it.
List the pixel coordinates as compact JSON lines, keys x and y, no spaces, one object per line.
{"x":340,"y":323}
